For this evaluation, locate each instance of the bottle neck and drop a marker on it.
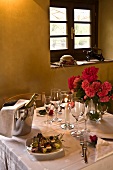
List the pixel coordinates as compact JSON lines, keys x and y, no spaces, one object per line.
{"x":31,"y":101}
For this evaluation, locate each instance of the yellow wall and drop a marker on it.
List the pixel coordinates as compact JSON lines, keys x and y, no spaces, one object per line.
{"x":106,"y":27}
{"x":24,"y":45}
{"x":24,"y":50}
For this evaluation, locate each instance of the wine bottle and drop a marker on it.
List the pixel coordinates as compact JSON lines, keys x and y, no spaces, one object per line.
{"x":31,"y":101}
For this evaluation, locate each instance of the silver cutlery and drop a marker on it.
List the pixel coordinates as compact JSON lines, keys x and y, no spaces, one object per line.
{"x":82,"y":145}
{"x":85,"y":152}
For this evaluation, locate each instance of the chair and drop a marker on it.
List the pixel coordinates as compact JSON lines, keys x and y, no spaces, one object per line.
{"x":26,"y":96}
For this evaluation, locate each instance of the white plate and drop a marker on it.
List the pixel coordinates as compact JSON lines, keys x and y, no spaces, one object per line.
{"x":46,"y":156}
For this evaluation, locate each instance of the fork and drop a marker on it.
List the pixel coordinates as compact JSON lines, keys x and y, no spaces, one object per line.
{"x":82,"y":144}
{"x":85,"y":152}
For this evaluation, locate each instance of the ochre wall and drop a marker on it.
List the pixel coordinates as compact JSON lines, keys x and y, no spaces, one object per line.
{"x":106,"y":27}
{"x":24,"y":51}
{"x":24,"y":46}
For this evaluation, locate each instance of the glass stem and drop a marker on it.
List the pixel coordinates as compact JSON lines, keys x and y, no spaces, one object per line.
{"x":47,"y":116}
{"x":85,"y":125}
{"x":56,"y":114}
{"x":77,"y":125}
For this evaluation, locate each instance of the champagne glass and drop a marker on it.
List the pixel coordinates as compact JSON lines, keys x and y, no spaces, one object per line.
{"x":66,"y":99}
{"x":55,"y":100}
{"x":47,"y":105}
{"x":77,"y":110}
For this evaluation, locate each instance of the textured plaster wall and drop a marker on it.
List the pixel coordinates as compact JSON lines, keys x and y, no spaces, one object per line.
{"x":24,"y":45}
{"x":106,"y":28}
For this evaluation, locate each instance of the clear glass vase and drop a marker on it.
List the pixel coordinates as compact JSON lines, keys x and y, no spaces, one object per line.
{"x":94,"y":111}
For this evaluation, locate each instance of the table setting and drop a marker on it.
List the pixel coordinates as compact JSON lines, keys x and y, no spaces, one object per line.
{"x":70,"y":131}
{"x":73,"y":149}
{"x":71,"y":145}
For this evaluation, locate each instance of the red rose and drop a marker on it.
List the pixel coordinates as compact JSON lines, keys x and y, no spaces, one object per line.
{"x":90,"y":73}
{"x":50,"y":112}
{"x":93,"y":138}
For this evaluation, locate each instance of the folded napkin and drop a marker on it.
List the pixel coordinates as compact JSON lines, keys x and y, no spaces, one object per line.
{"x":103,"y":148}
{"x":7,"y":117}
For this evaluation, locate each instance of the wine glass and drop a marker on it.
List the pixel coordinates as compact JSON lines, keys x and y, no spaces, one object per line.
{"x":55,"y":100}
{"x":47,"y":105}
{"x":66,"y":99}
{"x":77,"y":110}
{"x":85,"y":117}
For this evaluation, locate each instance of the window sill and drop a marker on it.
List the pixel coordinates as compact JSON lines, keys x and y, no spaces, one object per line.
{"x":79,"y":63}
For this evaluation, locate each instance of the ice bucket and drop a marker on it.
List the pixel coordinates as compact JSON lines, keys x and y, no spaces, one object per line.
{"x":23,"y":121}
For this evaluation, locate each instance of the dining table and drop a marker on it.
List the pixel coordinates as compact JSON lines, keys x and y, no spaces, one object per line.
{"x":15,"y":156}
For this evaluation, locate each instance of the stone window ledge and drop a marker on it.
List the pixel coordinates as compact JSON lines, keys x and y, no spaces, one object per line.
{"x":79,"y":63}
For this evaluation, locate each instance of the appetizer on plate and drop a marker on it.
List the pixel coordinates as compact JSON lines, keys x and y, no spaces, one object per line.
{"x":42,"y":144}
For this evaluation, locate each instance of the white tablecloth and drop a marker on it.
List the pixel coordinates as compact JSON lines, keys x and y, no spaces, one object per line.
{"x":14,"y":156}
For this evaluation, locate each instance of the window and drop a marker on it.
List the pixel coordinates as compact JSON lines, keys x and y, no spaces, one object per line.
{"x":73,"y":28}
{"x":82,"y":28}
{"x":58,"y":28}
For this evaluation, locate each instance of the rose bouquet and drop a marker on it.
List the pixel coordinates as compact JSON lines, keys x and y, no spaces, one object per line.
{"x":87,"y":87}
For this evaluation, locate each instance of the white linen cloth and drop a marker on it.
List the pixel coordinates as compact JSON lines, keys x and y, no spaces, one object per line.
{"x":103,"y":148}
{"x":104,"y":128}
{"x":7,"y":117}
{"x":14,"y":156}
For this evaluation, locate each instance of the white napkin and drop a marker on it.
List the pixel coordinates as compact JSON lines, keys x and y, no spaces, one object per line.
{"x":7,"y":117}
{"x":103,"y":148}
